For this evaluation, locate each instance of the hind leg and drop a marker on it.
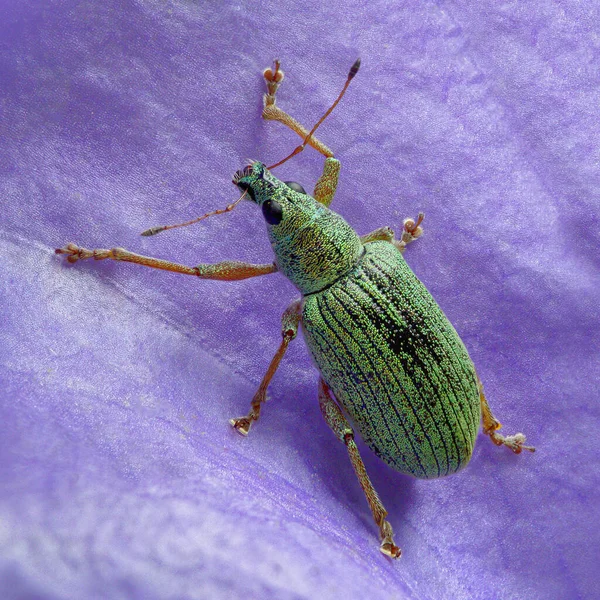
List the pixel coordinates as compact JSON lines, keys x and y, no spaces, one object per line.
{"x":491,"y":426}
{"x":342,"y":430}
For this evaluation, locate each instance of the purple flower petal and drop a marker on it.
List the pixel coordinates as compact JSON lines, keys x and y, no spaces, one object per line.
{"x":120,"y":476}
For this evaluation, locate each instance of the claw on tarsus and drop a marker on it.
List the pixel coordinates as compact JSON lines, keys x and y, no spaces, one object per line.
{"x":241,"y":425}
{"x":390,"y":549}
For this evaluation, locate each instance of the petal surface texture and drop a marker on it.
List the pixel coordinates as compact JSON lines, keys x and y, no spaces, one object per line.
{"x":120,"y":476}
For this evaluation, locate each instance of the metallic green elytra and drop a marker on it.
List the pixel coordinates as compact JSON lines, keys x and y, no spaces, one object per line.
{"x":381,"y":342}
{"x":389,"y":358}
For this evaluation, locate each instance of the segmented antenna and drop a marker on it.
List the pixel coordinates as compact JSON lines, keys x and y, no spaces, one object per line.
{"x":351,"y":74}
{"x":230,"y":207}
{"x":220,"y":211}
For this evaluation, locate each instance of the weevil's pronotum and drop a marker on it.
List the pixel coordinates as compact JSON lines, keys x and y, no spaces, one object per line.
{"x":390,"y":361}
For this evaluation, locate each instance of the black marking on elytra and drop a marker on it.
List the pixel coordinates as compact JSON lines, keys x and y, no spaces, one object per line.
{"x":414,"y":368}
{"x":372,"y":392}
{"x":462,"y":398}
{"x":413,"y":347}
{"x":410,"y":367}
{"x":433,"y":349}
{"x":357,"y":316}
{"x":342,"y":306}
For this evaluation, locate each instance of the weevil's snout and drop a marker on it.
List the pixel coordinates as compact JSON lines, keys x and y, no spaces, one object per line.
{"x":245,"y":172}
{"x":254,"y":171}
{"x":247,"y":179}
{"x":272,"y":195}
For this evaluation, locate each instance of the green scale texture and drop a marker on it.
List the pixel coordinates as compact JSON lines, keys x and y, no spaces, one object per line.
{"x":396,"y":364}
{"x":382,"y":344}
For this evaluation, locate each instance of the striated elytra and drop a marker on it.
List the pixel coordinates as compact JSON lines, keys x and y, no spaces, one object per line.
{"x":391,"y":364}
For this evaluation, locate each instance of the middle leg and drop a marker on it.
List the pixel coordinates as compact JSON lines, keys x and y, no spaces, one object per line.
{"x":289,"y":329}
{"x":410,"y":232}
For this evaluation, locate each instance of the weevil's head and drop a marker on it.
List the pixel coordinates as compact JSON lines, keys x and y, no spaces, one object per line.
{"x":285,"y":205}
{"x":313,"y":245}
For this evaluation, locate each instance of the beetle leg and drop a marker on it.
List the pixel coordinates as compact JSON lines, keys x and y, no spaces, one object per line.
{"x":229,"y":270}
{"x":272,"y":112}
{"x":412,"y":230}
{"x":383,"y":233}
{"x":327,"y":183}
{"x":341,"y":428}
{"x":491,"y":425}
{"x":289,"y":330}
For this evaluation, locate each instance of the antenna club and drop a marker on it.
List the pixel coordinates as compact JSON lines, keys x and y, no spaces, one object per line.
{"x":152,"y":231}
{"x":354,"y":69}
{"x":351,"y":74}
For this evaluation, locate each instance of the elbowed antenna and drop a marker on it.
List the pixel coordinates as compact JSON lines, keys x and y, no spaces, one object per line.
{"x":277,"y":77}
{"x":353,"y":71}
{"x":220,"y":211}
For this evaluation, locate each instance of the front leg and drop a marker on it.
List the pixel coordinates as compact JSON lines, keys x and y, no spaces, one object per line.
{"x":271,"y":112}
{"x":230,"y":270}
{"x":326,"y":185}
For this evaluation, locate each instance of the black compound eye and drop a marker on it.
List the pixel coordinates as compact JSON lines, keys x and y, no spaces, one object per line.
{"x":294,"y":185}
{"x":272,"y":212}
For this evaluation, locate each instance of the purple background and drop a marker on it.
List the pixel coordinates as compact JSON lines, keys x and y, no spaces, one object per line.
{"x":120,"y":476}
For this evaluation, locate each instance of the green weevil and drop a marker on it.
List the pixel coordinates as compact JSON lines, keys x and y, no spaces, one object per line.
{"x":390,"y":361}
